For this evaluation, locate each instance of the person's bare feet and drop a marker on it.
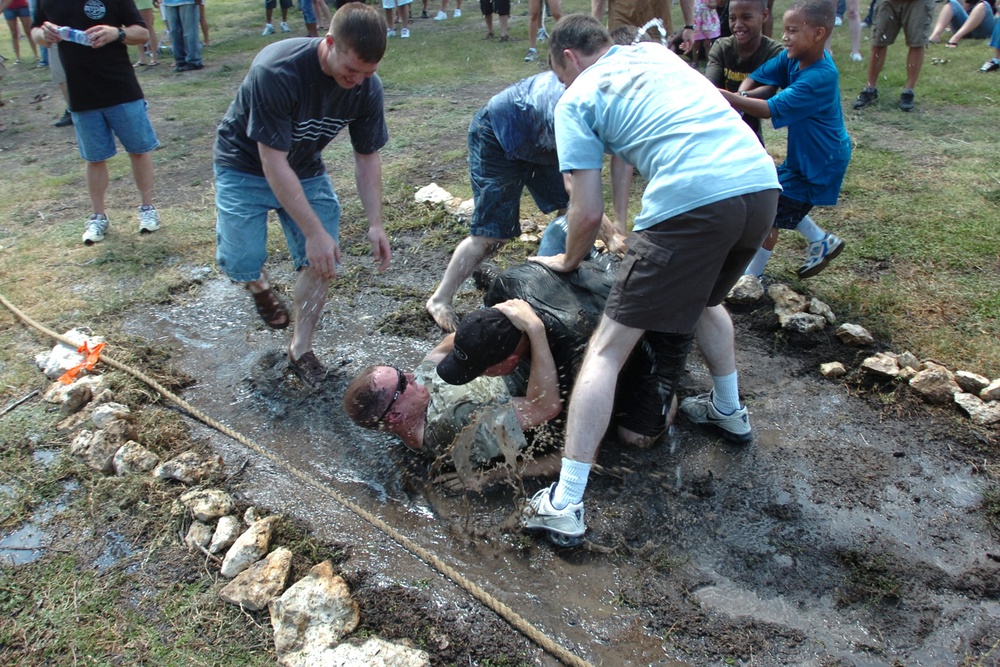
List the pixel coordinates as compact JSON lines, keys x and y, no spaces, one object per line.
{"x":443,"y":314}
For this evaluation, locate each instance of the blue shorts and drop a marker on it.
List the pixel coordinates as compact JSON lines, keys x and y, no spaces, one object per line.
{"x":308,"y":12}
{"x":243,"y":201}
{"x":790,"y":212}
{"x":96,"y":131}
{"x":11,"y":14}
{"x":498,"y":181}
{"x":959,"y":16}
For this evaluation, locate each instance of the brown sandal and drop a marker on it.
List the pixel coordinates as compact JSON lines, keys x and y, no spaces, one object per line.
{"x":271,"y":308}
{"x":308,"y":367}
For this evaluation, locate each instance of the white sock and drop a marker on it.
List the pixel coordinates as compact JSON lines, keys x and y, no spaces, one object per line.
{"x":756,"y":267}
{"x":726,"y":393}
{"x":809,"y":229}
{"x":572,"y":483}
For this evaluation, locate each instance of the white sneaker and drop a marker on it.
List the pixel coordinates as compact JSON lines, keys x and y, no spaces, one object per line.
{"x":457,"y":13}
{"x":149,"y":219}
{"x":564,"y":528}
{"x":837,"y":21}
{"x":701,"y":410}
{"x":541,"y":35}
{"x":97,"y":226}
{"x":532,"y":55}
{"x":268,"y":29}
{"x":819,"y":254}
{"x":284,"y":27}
{"x":441,"y":16}
{"x":404,"y":33}
{"x":857,"y":57}
{"x":390,"y":33}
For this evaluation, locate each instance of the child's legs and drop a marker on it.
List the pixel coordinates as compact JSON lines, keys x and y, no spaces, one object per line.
{"x":12,"y":24}
{"x":26,"y":24}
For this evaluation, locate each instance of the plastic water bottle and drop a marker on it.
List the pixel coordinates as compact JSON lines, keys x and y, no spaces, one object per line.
{"x":74,"y":35}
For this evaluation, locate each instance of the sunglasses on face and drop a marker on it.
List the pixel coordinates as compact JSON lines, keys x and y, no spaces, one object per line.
{"x":400,"y":388}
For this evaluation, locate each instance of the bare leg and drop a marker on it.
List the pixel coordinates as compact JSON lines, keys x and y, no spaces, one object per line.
{"x":717,"y":340}
{"x":142,"y":172}
{"x":310,"y":297}
{"x":15,"y":39}
{"x":876,"y":64}
{"x":534,"y":21}
{"x":914,"y":61}
{"x":943,"y":20}
{"x":204,"y":24}
{"x":503,"y":25}
{"x":97,"y":184}
{"x":854,"y":25}
{"x":467,"y":256}
{"x":489,"y":23}
{"x":26,"y":24}
{"x":976,"y":17}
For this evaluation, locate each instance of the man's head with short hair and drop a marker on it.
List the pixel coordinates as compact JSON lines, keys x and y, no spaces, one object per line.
{"x":817,"y":13}
{"x":368,"y":398}
{"x":360,"y":28}
{"x":484,"y":338}
{"x":579,"y":32}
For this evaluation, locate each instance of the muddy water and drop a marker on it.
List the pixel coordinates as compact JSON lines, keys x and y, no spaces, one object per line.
{"x":755,"y":536}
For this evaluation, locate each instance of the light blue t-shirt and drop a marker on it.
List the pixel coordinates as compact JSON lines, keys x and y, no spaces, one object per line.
{"x":647,"y":106}
{"x":819,"y":147}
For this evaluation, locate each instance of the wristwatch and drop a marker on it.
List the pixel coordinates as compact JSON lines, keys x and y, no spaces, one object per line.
{"x":689,"y":27}
{"x":743,"y":93}
{"x":121,"y":35}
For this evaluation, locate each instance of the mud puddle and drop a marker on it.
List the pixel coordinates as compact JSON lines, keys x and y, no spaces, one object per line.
{"x":842,"y":535}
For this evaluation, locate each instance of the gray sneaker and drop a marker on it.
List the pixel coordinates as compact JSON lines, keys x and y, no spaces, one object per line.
{"x":701,"y":410}
{"x":906,"y":101}
{"x":564,"y":528}
{"x":97,"y":226}
{"x":868,"y":96}
{"x":149,"y":219}
{"x":532,"y":55}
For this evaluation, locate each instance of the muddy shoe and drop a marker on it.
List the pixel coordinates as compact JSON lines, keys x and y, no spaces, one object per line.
{"x":564,"y":528}
{"x":308,"y":367}
{"x":701,"y":410}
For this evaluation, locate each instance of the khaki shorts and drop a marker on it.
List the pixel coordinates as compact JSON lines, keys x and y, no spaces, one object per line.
{"x":915,"y":17}
{"x":637,"y":12}
{"x":676,"y":268}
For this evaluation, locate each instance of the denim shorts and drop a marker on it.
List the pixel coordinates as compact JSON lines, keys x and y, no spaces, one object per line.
{"x":11,"y":14}
{"x":498,"y":181}
{"x":308,"y":12}
{"x":96,"y":131}
{"x":790,"y":212}
{"x":243,"y":201}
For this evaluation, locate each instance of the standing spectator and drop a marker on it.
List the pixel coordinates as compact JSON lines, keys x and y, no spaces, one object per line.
{"x":970,"y":18}
{"x":635,"y":13}
{"x":706,"y":28}
{"x":203,"y":20}
{"x":322,"y":14}
{"x":59,"y":78}
{"x":14,"y":11}
{"x":145,"y":8}
{"x":309,"y":17}
{"x":402,"y":8}
{"x":502,"y":9}
{"x":535,"y":27}
{"x":442,"y":15}
{"x":914,"y":17}
{"x":105,"y":98}
{"x":269,"y":12}
{"x":185,"y":23}
{"x":297,"y":96}
{"x":993,"y":64}
{"x":709,"y":201}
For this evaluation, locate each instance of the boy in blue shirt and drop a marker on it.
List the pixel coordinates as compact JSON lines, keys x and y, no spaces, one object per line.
{"x":818,"y":145}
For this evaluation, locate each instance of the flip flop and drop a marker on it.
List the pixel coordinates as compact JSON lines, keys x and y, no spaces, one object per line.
{"x":308,"y":367}
{"x":271,"y":308}
{"x":951,"y":45}
{"x":138,"y":65}
{"x":153,"y":64}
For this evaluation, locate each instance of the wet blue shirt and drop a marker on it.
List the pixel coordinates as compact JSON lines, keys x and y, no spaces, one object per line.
{"x":522,"y":118}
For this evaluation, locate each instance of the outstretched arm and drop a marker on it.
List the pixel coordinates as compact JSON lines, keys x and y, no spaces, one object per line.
{"x":368,"y":176}
{"x":542,"y":401}
{"x":752,"y":98}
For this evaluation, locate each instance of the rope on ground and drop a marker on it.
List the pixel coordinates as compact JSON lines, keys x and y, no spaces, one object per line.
{"x":504,"y":611}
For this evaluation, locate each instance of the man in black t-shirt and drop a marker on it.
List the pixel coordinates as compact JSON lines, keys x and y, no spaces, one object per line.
{"x":104,"y":95}
{"x":298,"y":95}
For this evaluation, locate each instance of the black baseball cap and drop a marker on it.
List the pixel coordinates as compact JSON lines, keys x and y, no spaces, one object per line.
{"x":484,"y":338}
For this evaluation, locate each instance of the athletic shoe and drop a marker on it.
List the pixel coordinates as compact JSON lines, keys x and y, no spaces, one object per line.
{"x":284,"y":27}
{"x":564,"y":528}
{"x":441,"y":16}
{"x":268,"y":30}
{"x":541,"y":35}
{"x":149,"y":219}
{"x":424,"y":15}
{"x":390,"y":33}
{"x":404,"y":33}
{"x":990,"y":66}
{"x":906,"y":101}
{"x":532,"y":55}
{"x":701,"y":410}
{"x":97,"y":226}
{"x":867,"y":97}
{"x":819,"y":255}
{"x":65,"y":121}
{"x":457,"y":13}
{"x":837,"y":21}
{"x":856,"y":57}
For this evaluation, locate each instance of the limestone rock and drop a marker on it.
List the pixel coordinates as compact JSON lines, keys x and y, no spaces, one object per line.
{"x":432,"y":194}
{"x":882,"y":365}
{"x":198,"y":535}
{"x":908,"y":360}
{"x":747,"y":289}
{"x":226,"y":532}
{"x":249,"y":547}
{"x":104,"y":413}
{"x":70,"y":398}
{"x":313,"y":614}
{"x":189,"y":468}
{"x":935,"y":384}
{"x":817,"y":307}
{"x":832,"y":370}
{"x":802,"y":322}
{"x":529,"y":238}
{"x":529,"y":225}
{"x":786,"y":300}
{"x":250,"y":516}
{"x":81,"y":443}
{"x":906,"y":373}
{"x":208,"y":504}
{"x":979,"y":412}
{"x":256,"y":586}
{"x":992,"y":392}
{"x":375,"y":652}
{"x":461,"y":209}
{"x":62,"y":357}
{"x":132,"y":458}
{"x":98,"y":448}
{"x":855,"y":335}
{"x":72,"y":422}
{"x":101,"y":396}
{"x":971,"y":383}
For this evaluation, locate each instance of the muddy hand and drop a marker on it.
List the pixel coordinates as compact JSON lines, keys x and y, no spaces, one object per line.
{"x":380,"y":247}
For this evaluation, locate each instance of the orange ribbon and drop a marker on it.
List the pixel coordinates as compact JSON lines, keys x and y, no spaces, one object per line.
{"x":92,"y":357}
